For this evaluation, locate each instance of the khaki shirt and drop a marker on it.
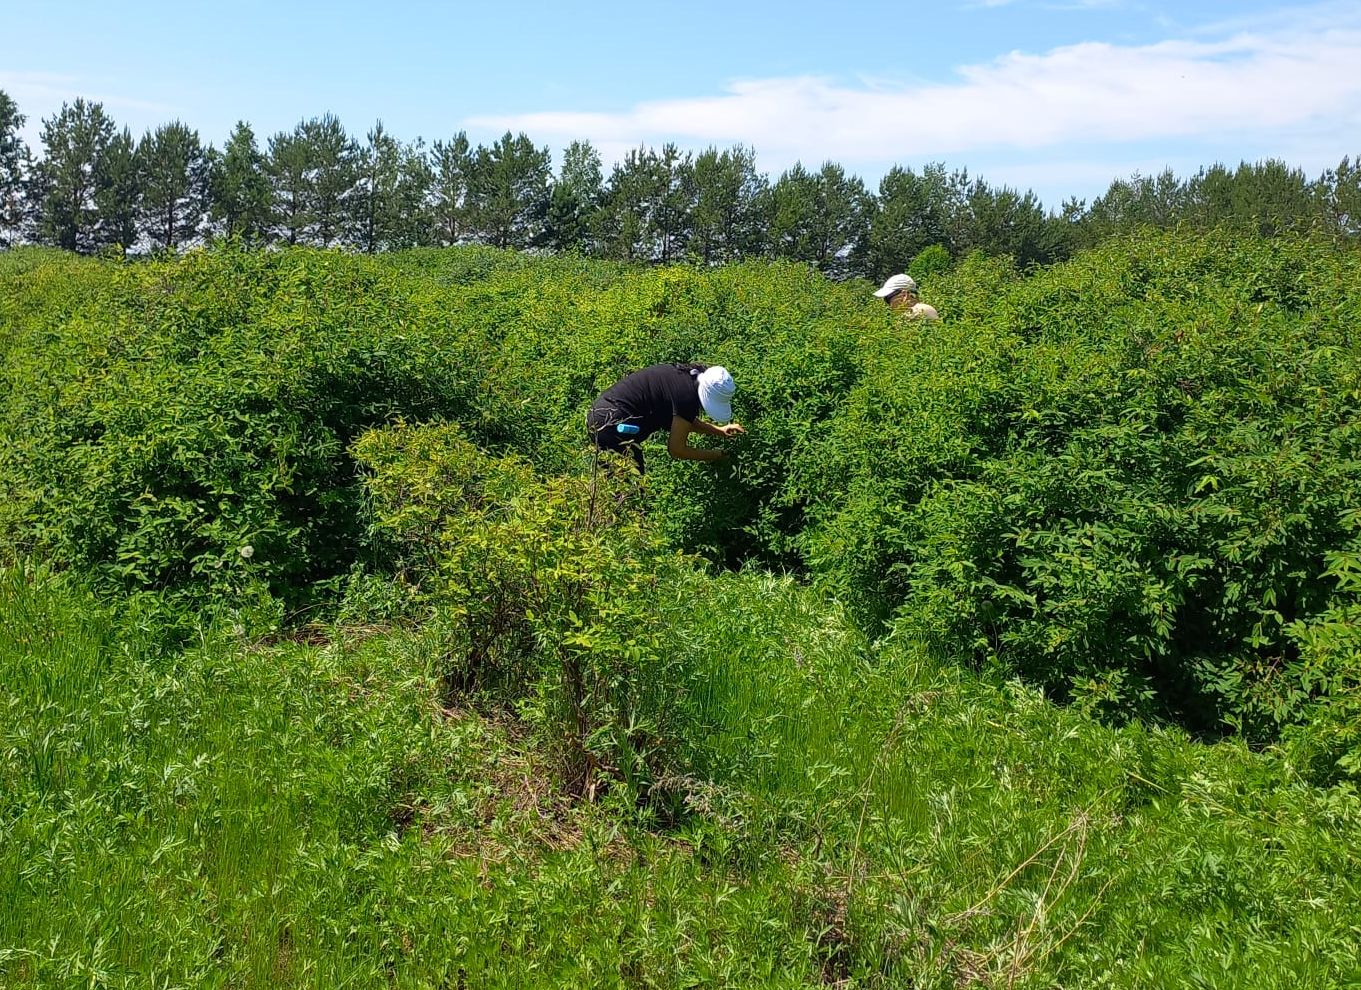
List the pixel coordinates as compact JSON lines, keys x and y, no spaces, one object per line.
{"x":914,"y":311}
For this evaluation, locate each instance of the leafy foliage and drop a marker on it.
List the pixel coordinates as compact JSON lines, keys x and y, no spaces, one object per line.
{"x":185,"y":425}
{"x":929,"y":261}
{"x":544,"y":748}
{"x":1124,"y":478}
{"x":552,"y":591}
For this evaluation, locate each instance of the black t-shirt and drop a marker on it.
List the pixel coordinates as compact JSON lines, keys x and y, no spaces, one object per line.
{"x":651,"y":396}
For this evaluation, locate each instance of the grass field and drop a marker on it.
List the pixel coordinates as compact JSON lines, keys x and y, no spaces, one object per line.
{"x":254,"y":814}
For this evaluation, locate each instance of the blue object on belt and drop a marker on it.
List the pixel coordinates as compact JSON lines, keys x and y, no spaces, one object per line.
{"x":629,"y":428}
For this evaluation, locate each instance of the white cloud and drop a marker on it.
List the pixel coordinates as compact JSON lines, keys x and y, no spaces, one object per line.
{"x":40,"y":95}
{"x":1301,"y":83}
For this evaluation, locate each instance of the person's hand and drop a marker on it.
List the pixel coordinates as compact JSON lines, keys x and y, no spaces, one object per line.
{"x":732,"y":429}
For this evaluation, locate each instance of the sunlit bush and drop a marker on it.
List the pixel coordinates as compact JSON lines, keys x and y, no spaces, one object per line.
{"x":1121,"y":477}
{"x":550,"y":592}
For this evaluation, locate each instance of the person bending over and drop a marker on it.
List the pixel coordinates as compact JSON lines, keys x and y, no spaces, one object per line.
{"x":900,"y":292}
{"x":664,"y":397}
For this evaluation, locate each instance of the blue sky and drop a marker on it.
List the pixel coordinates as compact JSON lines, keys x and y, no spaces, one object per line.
{"x":1058,"y":96}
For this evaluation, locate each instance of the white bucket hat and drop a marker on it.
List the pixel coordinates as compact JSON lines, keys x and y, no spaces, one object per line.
{"x":716,"y":389}
{"x":897,"y":283}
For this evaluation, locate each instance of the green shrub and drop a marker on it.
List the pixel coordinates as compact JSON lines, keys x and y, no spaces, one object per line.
{"x":574,"y":618}
{"x":184,"y":425}
{"x":1120,"y":477}
{"x":1124,"y":481}
{"x":929,"y":262}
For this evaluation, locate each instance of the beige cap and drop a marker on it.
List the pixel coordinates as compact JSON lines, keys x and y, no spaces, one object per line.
{"x":897,"y":283}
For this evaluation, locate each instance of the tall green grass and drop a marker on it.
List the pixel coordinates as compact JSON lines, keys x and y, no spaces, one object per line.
{"x":974,"y":831}
{"x":248,"y":814}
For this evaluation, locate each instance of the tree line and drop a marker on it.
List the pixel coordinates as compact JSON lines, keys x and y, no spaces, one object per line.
{"x":93,"y":187}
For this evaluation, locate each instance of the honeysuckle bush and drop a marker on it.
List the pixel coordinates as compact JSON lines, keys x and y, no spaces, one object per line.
{"x":184,"y":424}
{"x":551,"y":593}
{"x":1124,"y":477}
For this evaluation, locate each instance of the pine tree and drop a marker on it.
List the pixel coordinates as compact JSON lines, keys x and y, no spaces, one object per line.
{"x":508,"y":192}
{"x":1270,"y":198}
{"x":412,"y":220}
{"x":313,"y":173}
{"x":674,"y":215}
{"x":727,"y":192}
{"x":1128,"y":204}
{"x":119,"y":192}
{"x":575,"y":200}
{"x":239,"y":189}
{"x":1340,"y":198}
{"x":376,"y":194}
{"x":649,"y":206}
{"x":14,"y":171}
{"x":1003,"y":221}
{"x":287,"y":171}
{"x":843,"y":209}
{"x":451,"y":166}
{"x":333,"y":173}
{"x":74,"y":142}
{"x":788,"y":209}
{"x":908,"y":216}
{"x":634,"y":188}
{"x":174,"y":187}
{"x":820,"y":218}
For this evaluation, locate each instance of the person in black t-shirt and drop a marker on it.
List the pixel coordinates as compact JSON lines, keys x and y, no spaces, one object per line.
{"x":664,"y":397}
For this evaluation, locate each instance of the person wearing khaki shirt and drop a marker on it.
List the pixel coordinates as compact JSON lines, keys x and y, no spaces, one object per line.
{"x":900,"y":292}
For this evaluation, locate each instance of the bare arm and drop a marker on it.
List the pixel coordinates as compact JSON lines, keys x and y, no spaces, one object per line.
{"x":710,"y":430}
{"x":677,"y":441}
